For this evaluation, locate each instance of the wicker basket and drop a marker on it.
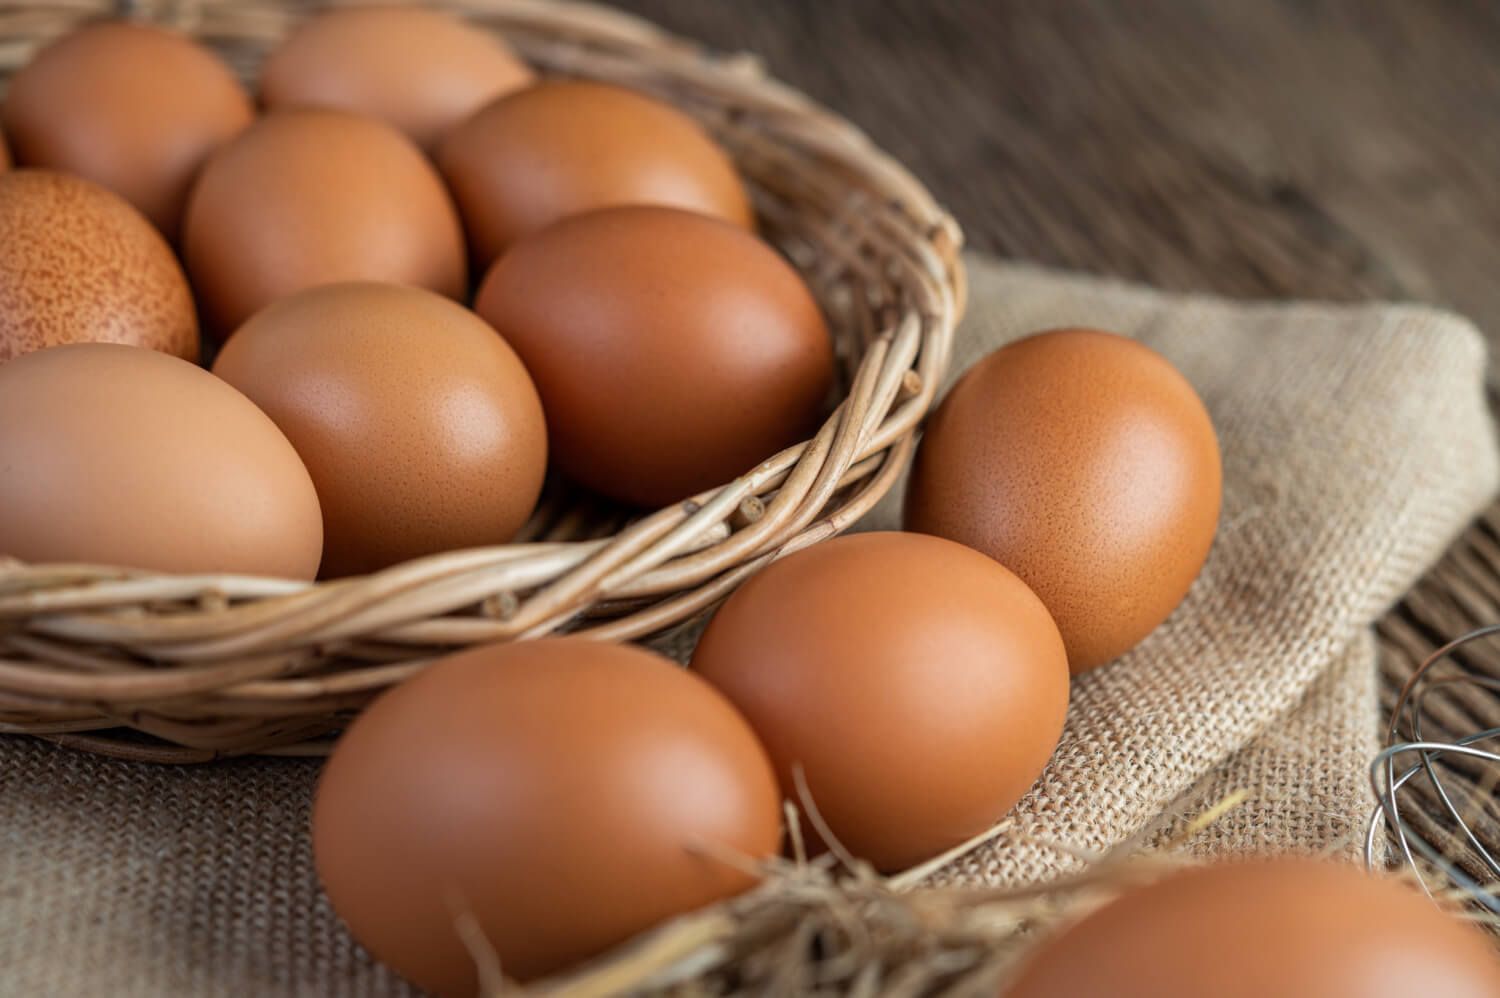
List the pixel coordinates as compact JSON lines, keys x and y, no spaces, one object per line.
{"x":97,"y":657}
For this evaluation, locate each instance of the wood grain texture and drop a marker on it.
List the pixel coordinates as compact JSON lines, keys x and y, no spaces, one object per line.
{"x":1337,"y":149}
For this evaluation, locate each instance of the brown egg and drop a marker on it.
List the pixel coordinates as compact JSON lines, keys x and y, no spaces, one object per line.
{"x":78,"y":264}
{"x":1086,"y":464}
{"x":569,"y":146}
{"x":920,"y":686}
{"x":115,"y":455}
{"x":423,"y":71}
{"x":1265,"y":929}
{"x":564,"y":793}
{"x":420,"y":427}
{"x":4,"y":154}
{"x":673,"y":352}
{"x":134,"y":108}
{"x":312,"y":197}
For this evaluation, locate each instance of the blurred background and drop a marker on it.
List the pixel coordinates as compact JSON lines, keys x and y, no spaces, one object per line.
{"x":1343,"y":149}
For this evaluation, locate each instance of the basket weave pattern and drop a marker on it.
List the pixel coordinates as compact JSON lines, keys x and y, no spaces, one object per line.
{"x":216,"y":665}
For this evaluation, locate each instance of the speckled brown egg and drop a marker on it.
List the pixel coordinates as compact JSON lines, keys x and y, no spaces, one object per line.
{"x":132,"y":107}
{"x":115,"y":455}
{"x":569,"y":146}
{"x":309,"y":197}
{"x":1265,"y":929}
{"x":920,"y":687}
{"x":78,"y":264}
{"x":1085,"y":463}
{"x":673,"y":352}
{"x":565,"y":794}
{"x":420,"y":427}
{"x":423,"y":71}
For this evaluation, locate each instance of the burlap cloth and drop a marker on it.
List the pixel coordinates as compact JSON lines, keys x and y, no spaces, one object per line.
{"x":1356,"y":444}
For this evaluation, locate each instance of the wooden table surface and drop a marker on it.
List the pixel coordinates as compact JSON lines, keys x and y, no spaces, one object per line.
{"x":1281,"y":148}
{"x":1344,"y":150}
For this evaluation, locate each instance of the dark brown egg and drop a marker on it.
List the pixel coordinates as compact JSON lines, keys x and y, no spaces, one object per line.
{"x":1086,"y":464}
{"x":920,"y":687}
{"x":423,"y":71}
{"x":565,"y":794}
{"x":311,"y":197}
{"x":1265,"y":929}
{"x":115,"y":455}
{"x":419,"y":425}
{"x":673,"y":352}
{"x":566,"y":147}
{"x":78,"y":264}
{"x":136,"y":109}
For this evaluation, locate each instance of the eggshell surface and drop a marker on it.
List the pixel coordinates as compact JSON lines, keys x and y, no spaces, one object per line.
{"x":422,"y":71}
{"x":78,"y":264}
{"x":1285,"y":927}
{"x":559,"y":791}
{"x":673,"y":352}
{"x":920,"y":687}
{"x":310,"y":197}
{"x":135,"y":108}
{"x":566,"y":147}
{"x":115,"y":455}
{"x":1085,"y":463}
{"x":420,"y":427}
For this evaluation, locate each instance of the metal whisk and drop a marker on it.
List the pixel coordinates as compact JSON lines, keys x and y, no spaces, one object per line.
{"x":1452,"y":848}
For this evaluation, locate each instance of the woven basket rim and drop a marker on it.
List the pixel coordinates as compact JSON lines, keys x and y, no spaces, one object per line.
{"x":216,"y":665}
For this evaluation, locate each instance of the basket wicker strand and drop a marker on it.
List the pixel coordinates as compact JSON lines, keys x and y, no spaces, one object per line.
{"x":216,"y":665}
